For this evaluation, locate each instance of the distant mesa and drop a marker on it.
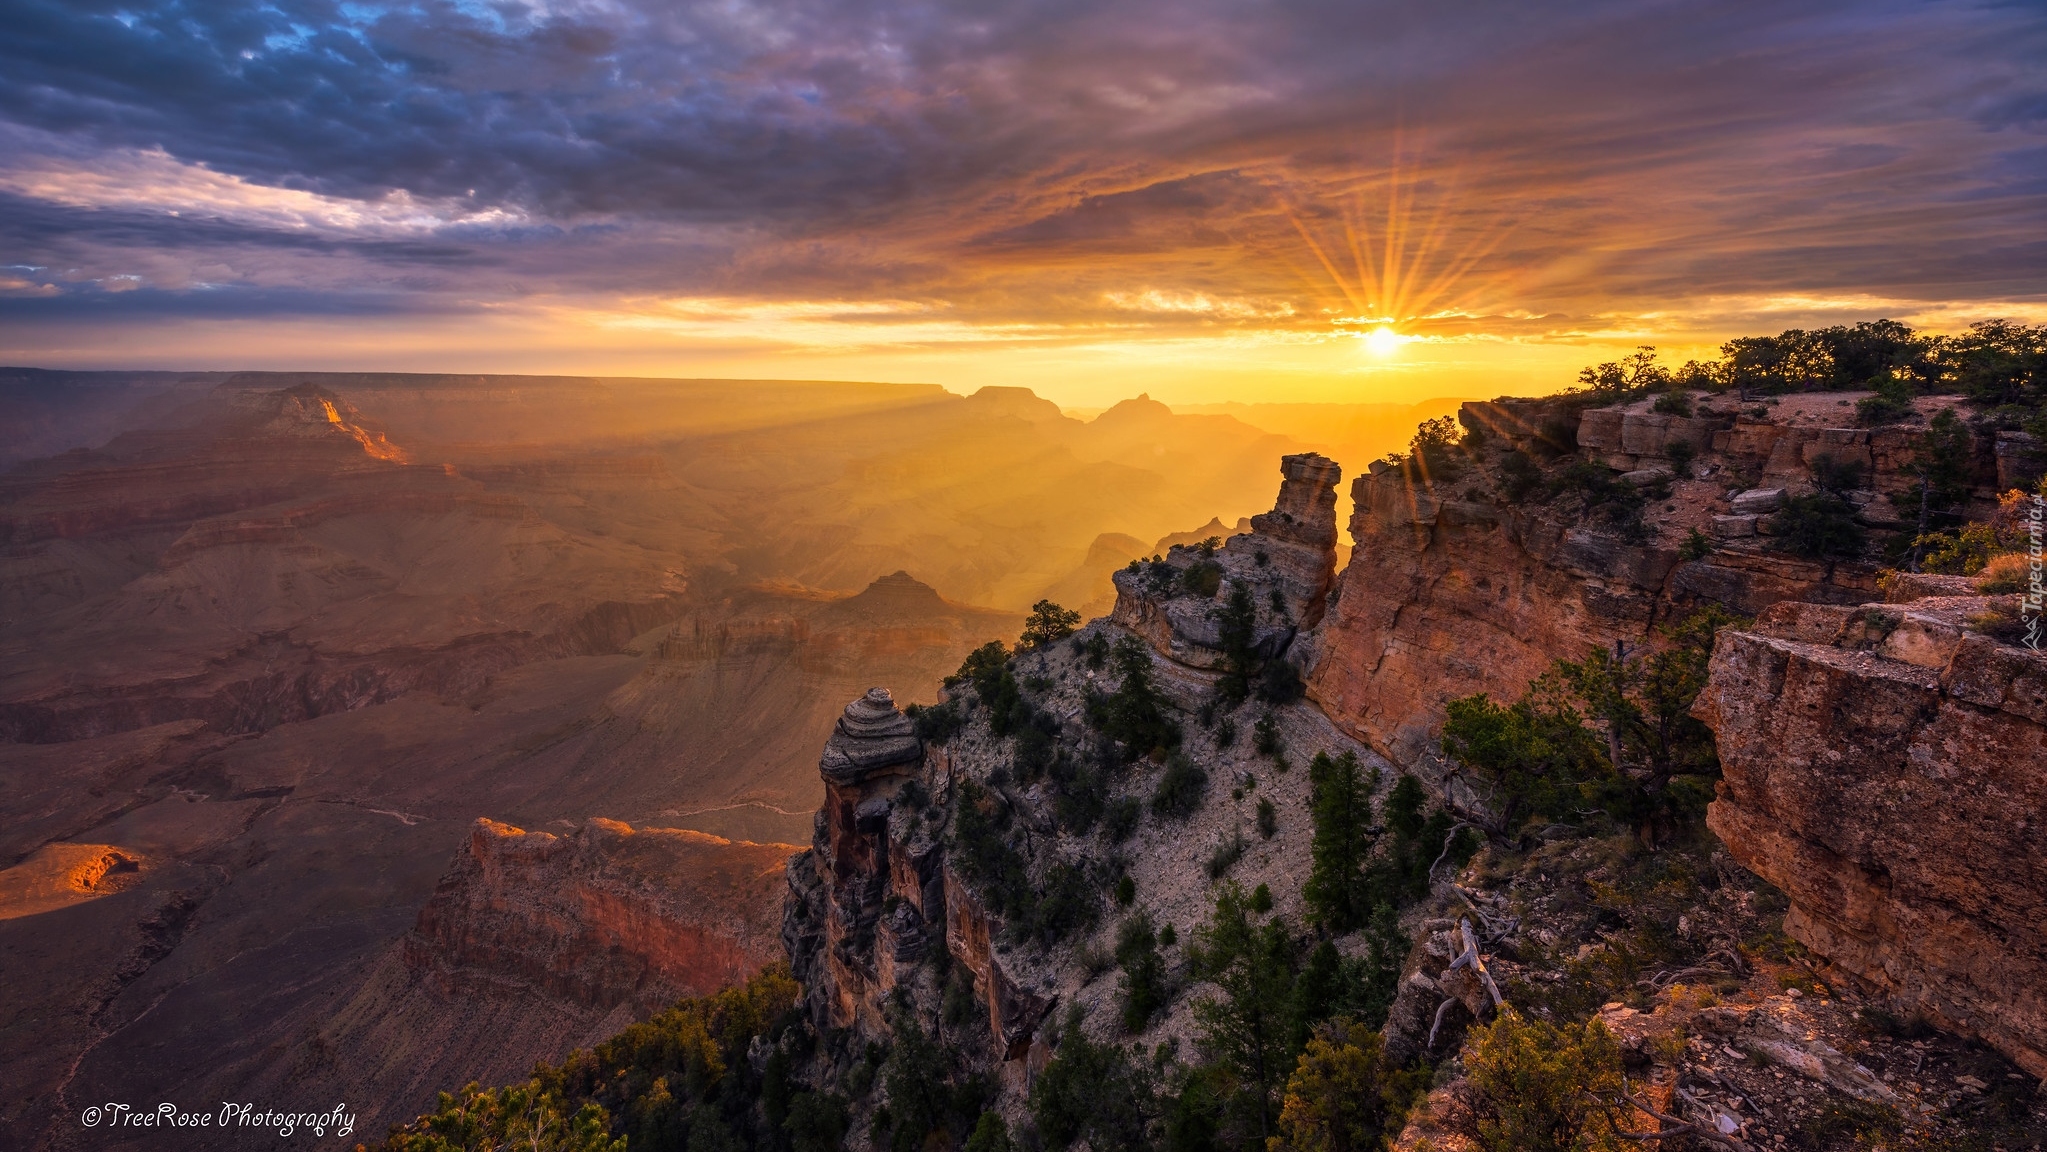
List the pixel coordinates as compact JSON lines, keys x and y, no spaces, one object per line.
{"x":1022,"y":403}
{"x":871,"y":735}
{"x":1139,"y":409}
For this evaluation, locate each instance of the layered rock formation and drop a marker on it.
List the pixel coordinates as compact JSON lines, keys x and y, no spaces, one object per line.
{"x":875,"y":895}
{"x":1283,"y":566}
{"x":1886,"y":766}
{"x":1457,"y":586}
{"x":605,"y":916}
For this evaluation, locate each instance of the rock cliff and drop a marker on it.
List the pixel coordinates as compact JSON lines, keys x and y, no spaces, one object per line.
{"x":604,"y":916}
{"x":1886,"y":766}
{"x":1460,"y":582}
{"x":1283,"y":568}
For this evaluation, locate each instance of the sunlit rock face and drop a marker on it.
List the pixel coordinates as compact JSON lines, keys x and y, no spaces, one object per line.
{"x":1284,"y":567}
{"x":1887,"y":768}
{"x":1455,"y":587}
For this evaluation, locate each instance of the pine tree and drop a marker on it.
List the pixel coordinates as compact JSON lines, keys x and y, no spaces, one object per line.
{"x":1341,"y":799}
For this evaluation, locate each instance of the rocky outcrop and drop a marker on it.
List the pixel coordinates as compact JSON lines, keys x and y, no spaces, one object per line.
{"x":1886,"y":766}
{"x":1285,"y":564}
{"x":874,"y":895}
{"x":1457,"y":586}
{"x":602,"y":917}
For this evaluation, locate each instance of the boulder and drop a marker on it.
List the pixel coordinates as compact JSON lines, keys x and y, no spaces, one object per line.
{"x":1758,"y":501}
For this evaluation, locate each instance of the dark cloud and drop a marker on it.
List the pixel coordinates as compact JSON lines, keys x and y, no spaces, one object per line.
{"x":938,"y":150}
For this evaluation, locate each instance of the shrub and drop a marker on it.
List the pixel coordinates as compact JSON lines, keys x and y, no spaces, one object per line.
{"x":1120,"y":820}
{"x":1697,"y":546}
{"x":2011,"y":572}
{"x":1126,"y":892}
{"x":1832,"y":474}
{"x":1134,"y":715}
{"x":1265,"y":735}
{"x":1144,"y":972}
{"x":1225,"y":857}
{"x":1434,"y":447}
{"x":1681,"y":453}
{"x":1091,"y":1091}
{"x":1225,"y":732}
{"x":1533,"y":754}
{"x":936,"y":723}
{"x":1541,"y":1088}
{"x":1520,"y":477}
{"x":817,"y":1121}
{"x":1673,"y":403}
{"x":1819,"y":526}
{"x":1094,"y":649}
{"x":1344,"y":1095}
{"x":1268,"y":818}
{"x":1202,"y":578}
{"x":491,"y":1117}
{"x":1047,"y":623}
{"x":1961,"y":553}
{"x":1069,"y":906}
{"x":1180,"y":789}
{"x":1889,"y":403}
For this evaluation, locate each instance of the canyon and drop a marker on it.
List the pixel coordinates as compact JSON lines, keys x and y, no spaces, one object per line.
{"x":371,"y":735}
{"x":1884,"y":762}
{"x":274,"y":643}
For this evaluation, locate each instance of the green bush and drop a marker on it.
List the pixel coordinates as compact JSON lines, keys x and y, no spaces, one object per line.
{"x":936,"y":723}
{"x":1225,"y":857}
{"x":1673,"y":403}
{"x":1696,"y":546}
{"x":1093,"y":1092}
{"x":1268,"y":818}
{"x":1134,"y":715}
{"x":1818,"y":526}
{"x":1202,"y":578}
{"x":1143,"y":983}
{"x":1960,"y":553}
{"x":1520,"y":477}
{"x":682,"y":1077}
{"x":1180,"y":789}
{"x":1120,"y":819}
{"x":1541,"y":1088}
{"x":1889,"y":403}
{"x":1265,"y":735}
{"x":1344,"y":1094}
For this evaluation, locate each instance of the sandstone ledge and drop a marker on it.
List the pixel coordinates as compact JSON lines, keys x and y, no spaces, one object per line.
{"x":1887,"y":769}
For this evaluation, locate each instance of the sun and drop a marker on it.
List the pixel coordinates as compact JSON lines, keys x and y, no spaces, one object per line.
{"x":1383,"y":341}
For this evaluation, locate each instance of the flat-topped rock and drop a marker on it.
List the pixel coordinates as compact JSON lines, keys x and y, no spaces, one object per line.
{"x":872,"y":734}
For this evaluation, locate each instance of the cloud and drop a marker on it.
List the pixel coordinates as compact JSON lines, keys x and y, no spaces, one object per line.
{"x":1027,"y":167}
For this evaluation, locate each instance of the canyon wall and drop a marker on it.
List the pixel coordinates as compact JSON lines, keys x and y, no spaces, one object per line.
{"x":1456,"y":587}
{"x":875,"y":893}
{"x":603,"y":916}
{"x":1886,"y":766}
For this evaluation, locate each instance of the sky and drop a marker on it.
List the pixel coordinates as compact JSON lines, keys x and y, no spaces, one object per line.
{"x":1291,"y":200}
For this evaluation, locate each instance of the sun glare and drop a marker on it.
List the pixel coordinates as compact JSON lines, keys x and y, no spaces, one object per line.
{"x":1383,"y":341}
{"x":1415,"y":264}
